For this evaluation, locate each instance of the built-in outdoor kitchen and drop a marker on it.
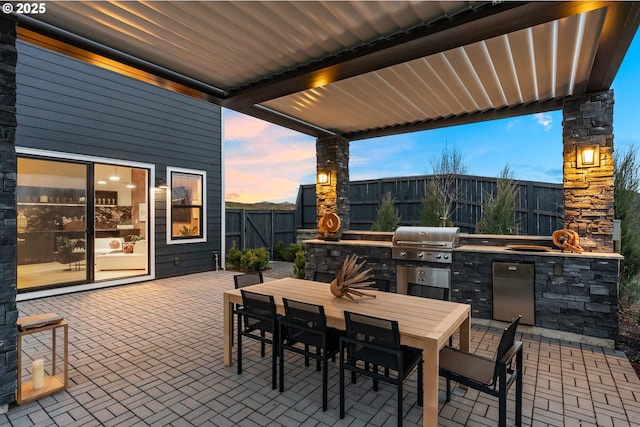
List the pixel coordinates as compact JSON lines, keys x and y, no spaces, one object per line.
{"x":500,"y":276}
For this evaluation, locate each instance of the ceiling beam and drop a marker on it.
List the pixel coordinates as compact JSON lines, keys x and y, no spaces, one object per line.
{"x":620,"y":26}
{"x":463,"y":29}
{"x":503,"y":113}
{"x":75,"y":46}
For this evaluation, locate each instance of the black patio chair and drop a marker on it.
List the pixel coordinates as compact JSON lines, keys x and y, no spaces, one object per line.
{"x":304,"y":331}
{"x":371,"y":343}
{"x":260,"y":317}
{"x":490,"y":376}
{"x":381,"y":285}
{"x":242,"y":280}
{"x":320,"y":276}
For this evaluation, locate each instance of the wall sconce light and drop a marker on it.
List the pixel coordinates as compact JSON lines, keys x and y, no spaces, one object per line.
{"x":161,"y":183}
{"x":324,"y":178}
{"x":588,"y":156}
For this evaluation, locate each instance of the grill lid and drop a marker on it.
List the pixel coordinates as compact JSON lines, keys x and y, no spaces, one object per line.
{"x":427,"y":237}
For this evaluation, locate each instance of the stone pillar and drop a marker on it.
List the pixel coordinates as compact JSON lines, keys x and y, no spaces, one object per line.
{"x":8,"y":308}
{"x":332,"y":157}
{"x":588,"y":189}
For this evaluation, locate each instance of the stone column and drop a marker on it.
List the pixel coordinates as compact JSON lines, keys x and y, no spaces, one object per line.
{"x":588,"y":189}
{"x":332,"y":157}
{"x":8,"y":309}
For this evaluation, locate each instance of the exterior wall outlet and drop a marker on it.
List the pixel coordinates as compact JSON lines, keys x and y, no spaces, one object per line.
{"x":176,"y":261}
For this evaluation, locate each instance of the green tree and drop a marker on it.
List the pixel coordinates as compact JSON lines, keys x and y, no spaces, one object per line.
{"x":498,"y":212}
{"x":441,"y":191}
{"x":387,"y":218}
{"x":627,"y":206}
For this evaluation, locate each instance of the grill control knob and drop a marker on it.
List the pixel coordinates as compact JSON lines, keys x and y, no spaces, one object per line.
{"x":446,"y":256}
{"x":403,"y":253}
{"x":438,"y":256}
{"x":420,"y":254}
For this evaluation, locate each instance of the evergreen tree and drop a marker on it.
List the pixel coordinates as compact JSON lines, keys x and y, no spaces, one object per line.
{"x":627,"y":208}
{"x":498,"y":212}
{"x":387,"y":218}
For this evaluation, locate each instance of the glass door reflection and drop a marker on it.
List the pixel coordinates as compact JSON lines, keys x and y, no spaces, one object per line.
{"x":51,"y":223}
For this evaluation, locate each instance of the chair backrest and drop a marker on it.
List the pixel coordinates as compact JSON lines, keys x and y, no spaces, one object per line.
{"x":300,"y":318}
{"x":506,"y":342}
{"x":381,"y":284}
{"x":435,"y":292}
{"x":247,"y":279}
{"x":257,"y":308}
{"x":372,"y":334}
{"x":320,"y":276}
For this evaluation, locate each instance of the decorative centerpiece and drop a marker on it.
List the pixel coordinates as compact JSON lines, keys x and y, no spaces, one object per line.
{"x":567,"y":240}
{"x":350,"y":280}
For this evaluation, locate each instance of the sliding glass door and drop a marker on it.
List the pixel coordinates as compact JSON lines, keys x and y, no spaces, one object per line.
{"x":80,"y":222}
{"x":51,"y":223}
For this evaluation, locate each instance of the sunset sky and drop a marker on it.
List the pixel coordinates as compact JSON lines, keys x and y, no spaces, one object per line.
{"x":265,"y":162}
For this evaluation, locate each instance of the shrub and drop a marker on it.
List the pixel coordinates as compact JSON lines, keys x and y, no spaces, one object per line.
{"x":299,"y":264}
{"x":441,"y":191}
{"x":626,"y":207}
{"x":279,"y":251}
{"x":292,"y":251}
{"x":233,"y":257}
{"x":247,"y":260}
{"x":498,"y":212}
{"x":388,"y":217}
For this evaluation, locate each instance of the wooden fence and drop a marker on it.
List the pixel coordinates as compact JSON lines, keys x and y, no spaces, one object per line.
{"x":539,"y":209}
{"x":251,"y":229}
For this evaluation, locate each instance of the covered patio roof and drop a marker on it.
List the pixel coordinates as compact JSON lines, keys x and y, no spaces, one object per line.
{"x":354,"y":69}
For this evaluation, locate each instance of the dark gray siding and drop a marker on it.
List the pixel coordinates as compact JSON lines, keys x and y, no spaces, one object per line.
{"x":70,"y":106}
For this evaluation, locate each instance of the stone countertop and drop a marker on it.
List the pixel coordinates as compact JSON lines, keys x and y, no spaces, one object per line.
{"x":550,"y":252}
{"x":474,"y":248}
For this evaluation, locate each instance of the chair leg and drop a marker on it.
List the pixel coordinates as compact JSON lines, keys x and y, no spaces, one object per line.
{"x":502,"y":397}
{"x":375,"y":381}
{"x":420,"y":384}
{"x":262,"y":346}
{"x":318,"y":353}
{"x":325,"y":380}
{"x":275,"y":340}
{"x":519,"y":389}
{"x":239,"y":344}
{"x":448,"y":399}
{"x":341,"y":383}
{"x":400,"y":394}
{"x":281,"y":353}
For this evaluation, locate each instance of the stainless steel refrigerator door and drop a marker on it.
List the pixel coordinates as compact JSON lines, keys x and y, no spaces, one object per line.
{"x":514,"y":291}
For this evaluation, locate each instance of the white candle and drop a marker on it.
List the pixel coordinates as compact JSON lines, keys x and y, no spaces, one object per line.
{"x":37,"y":371}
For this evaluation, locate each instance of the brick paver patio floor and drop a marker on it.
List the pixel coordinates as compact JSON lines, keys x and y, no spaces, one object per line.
{"x":151,"y":354}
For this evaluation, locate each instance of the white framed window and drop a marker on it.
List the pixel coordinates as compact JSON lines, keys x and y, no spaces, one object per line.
{"x":186,"y":206}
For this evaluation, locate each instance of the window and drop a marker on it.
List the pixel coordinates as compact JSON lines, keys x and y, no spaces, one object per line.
{"x":186,"y":206}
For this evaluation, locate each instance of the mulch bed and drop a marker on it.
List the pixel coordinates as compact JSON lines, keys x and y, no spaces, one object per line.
{"x":630,"y":334}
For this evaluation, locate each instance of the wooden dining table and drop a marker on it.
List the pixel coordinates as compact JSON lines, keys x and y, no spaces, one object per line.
{"x":424,"y":323}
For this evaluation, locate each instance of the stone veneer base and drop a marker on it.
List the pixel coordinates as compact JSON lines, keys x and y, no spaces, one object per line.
{"x":574,"y":293}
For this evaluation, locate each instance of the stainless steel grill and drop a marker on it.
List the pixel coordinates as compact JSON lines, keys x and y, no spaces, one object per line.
{"x":423,"y":258}
{"x":428,"y":244}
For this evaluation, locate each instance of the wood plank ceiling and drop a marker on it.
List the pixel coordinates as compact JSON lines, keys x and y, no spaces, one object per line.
{"x":356,"y":69}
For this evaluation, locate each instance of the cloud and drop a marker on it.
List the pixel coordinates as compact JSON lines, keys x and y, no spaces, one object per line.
{"x":544,"y":119}
{"x":265,"y":162}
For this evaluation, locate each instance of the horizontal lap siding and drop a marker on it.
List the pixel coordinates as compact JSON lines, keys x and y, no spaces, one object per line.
{"x":70,"y":106}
